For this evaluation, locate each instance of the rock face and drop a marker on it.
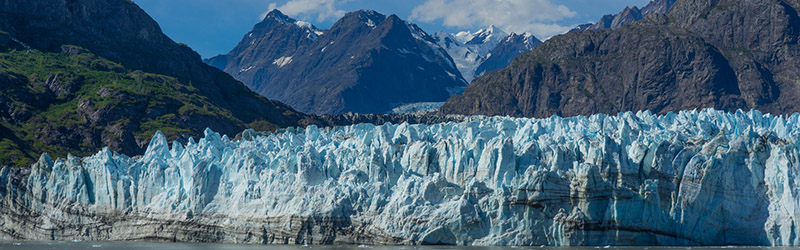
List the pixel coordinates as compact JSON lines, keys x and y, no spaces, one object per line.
{"x":702,"y":54}
{"x":693,"y":178}
{"x":80,"y":75}
{"x":628,"y":15}
{"x":367,"y":63}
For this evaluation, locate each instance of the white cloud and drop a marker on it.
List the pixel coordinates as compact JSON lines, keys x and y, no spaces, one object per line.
{"x":536,"y":16}
{"x":321,"y":10}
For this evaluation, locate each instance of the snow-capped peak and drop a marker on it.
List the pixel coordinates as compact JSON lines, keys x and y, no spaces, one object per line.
{"x":529,"y":39}
{"x":303,"y":24}
{"x":527,"y":35}
{"x":491,"y":35}
{"x":470,"y":49}
{"x":276,"y":15}
{"x":464,"y":36}
{"x":489,"y":31}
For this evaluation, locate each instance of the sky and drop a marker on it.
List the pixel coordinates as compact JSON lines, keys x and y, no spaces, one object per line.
{"x":213,"y":27}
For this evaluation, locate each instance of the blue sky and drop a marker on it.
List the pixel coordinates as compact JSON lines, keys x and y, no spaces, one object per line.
{"x":214,"y":27}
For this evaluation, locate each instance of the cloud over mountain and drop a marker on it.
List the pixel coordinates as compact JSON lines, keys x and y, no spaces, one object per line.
{"x":321,"y":10}
{"x":536,"y":16}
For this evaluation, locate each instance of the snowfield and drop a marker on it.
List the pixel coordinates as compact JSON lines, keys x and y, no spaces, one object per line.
{"x":694,"y":178}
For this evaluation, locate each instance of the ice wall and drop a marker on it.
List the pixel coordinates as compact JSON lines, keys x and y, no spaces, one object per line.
{"x":694,"y":178}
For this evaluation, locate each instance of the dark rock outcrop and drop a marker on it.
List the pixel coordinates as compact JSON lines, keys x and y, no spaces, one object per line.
{"x":628,"y":15}
{"x":704,"y":53}
{"x":366,"y":63}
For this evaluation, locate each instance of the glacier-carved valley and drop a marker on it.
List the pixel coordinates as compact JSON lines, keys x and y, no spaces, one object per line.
{"x":693,"y":178}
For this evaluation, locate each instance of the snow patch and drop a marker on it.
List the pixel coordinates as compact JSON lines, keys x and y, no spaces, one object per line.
{"x":283,"y":61}
{"x":304,"y":24}
{"x":246,"y":69}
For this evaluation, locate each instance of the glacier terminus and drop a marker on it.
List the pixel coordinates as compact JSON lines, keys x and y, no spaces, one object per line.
{"x":691,"y":178}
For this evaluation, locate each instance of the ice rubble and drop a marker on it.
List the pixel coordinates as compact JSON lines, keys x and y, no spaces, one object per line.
{"x":694,"y":178}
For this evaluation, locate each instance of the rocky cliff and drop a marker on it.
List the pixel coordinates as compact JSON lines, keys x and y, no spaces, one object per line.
{"x":628,"y":15}
{"x":692,"y":178}
{"x":367,"y":63}
{"x":702,"y":54}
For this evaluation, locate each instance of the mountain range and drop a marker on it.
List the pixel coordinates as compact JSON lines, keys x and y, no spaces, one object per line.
{"x":485,"y":50}
{"x":78,"y":76}
{"x":725,"y":54}
{"x":363,"y":62}
{"x":366,"y":62}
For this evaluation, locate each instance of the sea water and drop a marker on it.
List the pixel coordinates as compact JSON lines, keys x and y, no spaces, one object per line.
{"x":23,"y":245}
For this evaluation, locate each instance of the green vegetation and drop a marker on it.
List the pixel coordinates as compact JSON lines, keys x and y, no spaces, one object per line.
{"x":76,"y":103}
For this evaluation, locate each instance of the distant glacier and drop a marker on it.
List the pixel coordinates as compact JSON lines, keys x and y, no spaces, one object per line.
{"x":692,"y":178}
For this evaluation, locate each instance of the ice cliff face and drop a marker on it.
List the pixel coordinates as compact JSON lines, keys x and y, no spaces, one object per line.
{"x":693,"y":178}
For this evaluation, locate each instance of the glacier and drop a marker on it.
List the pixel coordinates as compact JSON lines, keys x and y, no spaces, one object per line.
{"x":417,"y":107}
{"x":703,"y":177}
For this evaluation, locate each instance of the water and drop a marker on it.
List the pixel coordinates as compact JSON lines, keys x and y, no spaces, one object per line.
{"x":184,"y":246}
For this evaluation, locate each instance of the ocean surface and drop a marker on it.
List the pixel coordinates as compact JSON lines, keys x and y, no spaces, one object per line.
{"x":23,"y":245}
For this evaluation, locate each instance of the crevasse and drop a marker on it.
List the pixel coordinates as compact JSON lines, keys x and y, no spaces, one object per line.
{"x":693,"y":178}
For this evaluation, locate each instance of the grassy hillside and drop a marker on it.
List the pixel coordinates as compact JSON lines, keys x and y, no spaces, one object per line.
{"x":75,"y":102}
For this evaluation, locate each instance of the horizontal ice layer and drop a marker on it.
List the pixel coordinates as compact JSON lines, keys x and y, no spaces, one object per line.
{"x":419,"y":107}
{"x":693,"y":178}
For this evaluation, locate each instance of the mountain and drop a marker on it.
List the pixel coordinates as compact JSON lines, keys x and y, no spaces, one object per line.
{"x":657,"y":7}
{"x":470,"y":50}
{"x":277,"y":36}
{"x":628,"y":15}
{"x":704,"y":53}
{"x":81,"y":75}
{"x":504,"y":52}
{"x":696,"y":178}
{"x":485,"y":39}
{"x":485,"y":50}
{"x":366,"y":62}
